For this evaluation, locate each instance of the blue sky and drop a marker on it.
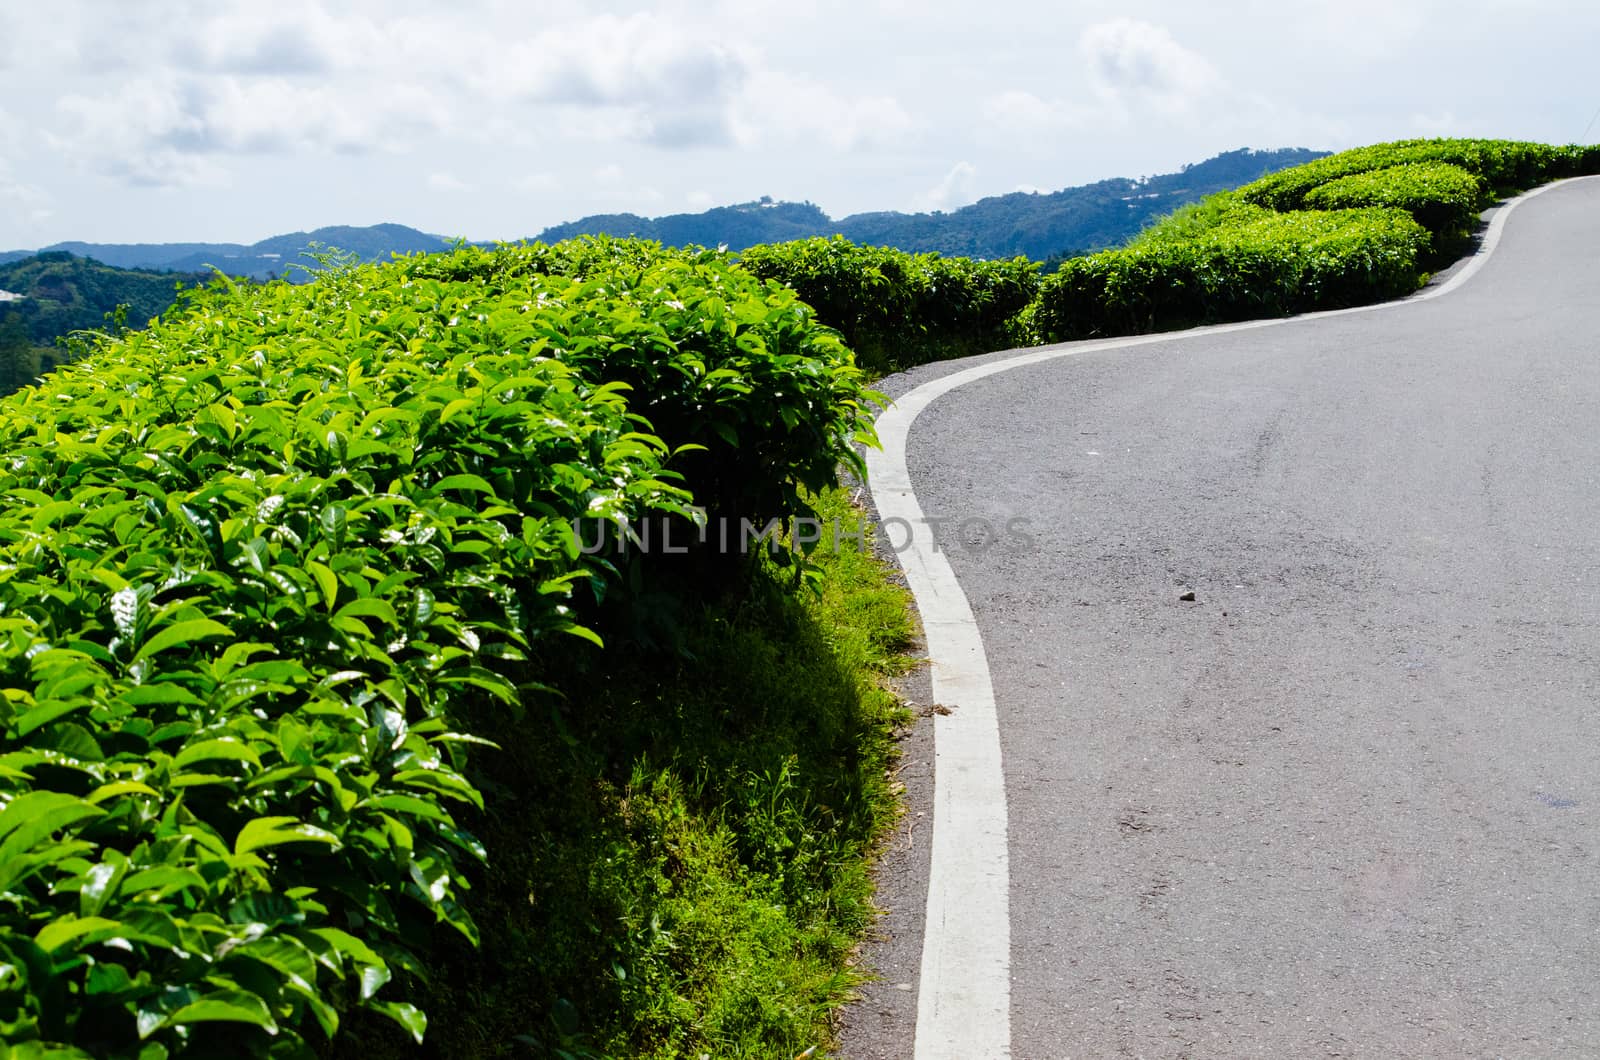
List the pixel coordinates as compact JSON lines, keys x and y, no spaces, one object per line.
{"x":171,"y":120}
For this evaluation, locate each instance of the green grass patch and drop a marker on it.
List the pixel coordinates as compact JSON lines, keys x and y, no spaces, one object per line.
{"x":681,"y":843}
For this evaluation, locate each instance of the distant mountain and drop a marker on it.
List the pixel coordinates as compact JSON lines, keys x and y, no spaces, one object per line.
{"x":270,"y":257}
{"x":739,"y":226}
{"x":1036,"y":225}
{"x":141,"y":255}
{"x":8,"y":256}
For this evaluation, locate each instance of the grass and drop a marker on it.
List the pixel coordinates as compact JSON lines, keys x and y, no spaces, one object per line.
{"x":680,"y":848}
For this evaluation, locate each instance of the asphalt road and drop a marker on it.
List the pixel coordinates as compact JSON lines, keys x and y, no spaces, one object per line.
{"x":1344,"y":803}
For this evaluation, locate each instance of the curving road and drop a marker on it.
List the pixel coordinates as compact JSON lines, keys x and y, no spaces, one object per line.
{"x":1346,"y":802}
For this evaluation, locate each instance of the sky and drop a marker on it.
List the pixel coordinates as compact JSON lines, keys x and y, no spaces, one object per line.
{"x":228,"y":121}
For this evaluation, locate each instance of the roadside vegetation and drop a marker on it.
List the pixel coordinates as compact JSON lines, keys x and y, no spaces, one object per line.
{"x":347,"y":711}
{"x":273,"y":571}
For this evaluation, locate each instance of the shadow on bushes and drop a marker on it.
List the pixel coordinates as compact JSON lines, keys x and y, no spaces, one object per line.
{"x":675,"y":863}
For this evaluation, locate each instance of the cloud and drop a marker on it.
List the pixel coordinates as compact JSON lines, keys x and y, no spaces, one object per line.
{"x":267,"y":39}
{"x":447,"y":182}
{"x":1026,"y":114}
{"x":641,"y":78}
{"x":639,"y":60}
{"x":778,"y":106}
{"x":167,"y":130}
{"x":955,"y":189}
{"x":1136,"y":71}
{"x":22,"y":204}
{"x":536,"y":183}
{"x":1444,"y":123}
{"x":1139,"y":65}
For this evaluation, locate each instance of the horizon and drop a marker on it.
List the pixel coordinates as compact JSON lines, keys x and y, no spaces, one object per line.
{"x":759,"y":200}
{"x":181,"y":122}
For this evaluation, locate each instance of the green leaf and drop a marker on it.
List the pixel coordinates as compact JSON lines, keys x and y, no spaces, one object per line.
{"x":408,"y":1016}
{"x":222,"y":747}
{"x":225,"y":1006}
{"x":275,"y":831}
{"x":327,"y":582}
{"x":334,"y":519}
{"x":100,"y":882}
{"x":369,"y":608}
{"x":440,"y":782}
{"x":164,"y":879}
{"x":184,"y":632}
{"x":470,"y":483}
{"x":421,"y":607}
{"x":29,"y":818}
{"x":120,"y":789}
{"x":45,"y":713}
{"x":58,"y":933}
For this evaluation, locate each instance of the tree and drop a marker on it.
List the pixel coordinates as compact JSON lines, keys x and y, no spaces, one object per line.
{"x":16,"y":354}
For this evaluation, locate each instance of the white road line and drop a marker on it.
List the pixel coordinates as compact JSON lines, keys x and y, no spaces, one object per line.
{"x":964,"y":992}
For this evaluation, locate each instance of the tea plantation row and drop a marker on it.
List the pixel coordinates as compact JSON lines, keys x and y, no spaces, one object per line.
{"x":260,"y":564}
{"x":1356,"y":227}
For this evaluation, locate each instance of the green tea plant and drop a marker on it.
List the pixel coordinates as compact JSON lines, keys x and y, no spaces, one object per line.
{"x":897,"y":309}
{"x":1504,"y":166}
{"x":254,"y":565}
{"x":1445,"y":199}
{"x":758,"y":403}
{"x":1199,"y":219}
{"x":1269,"y":266}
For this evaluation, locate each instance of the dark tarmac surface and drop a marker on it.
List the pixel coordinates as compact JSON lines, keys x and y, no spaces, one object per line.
{"x":1343,"y":803}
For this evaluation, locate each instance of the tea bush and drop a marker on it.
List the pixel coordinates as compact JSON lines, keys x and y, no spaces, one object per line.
{"x":1269,"y":266}
{"x":1504,"y":166}
{"x":1445,"y":199}
{"x":1355,"y":227}
{"x":896,"y":309}
{"x":1198,"y":219}
{"x":731,"y":372}
{"x":257,"y":561}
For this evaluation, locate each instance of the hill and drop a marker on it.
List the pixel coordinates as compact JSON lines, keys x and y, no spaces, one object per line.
{"x":270,"y":257}
{"x":1035,"y":225}
{"x":60,"y":294}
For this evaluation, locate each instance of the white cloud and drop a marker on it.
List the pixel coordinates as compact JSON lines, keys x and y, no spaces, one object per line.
{"x":536,"y":183}
{"x":23,"y":205}
{"x":447,"y":182}
{"x":1136,"y":71}
{"x":955,"y":189}
{"x":1443,"y":123}
{"x":778,"y":107}
{"x":278,"y":38}
{"x":1026,"y":114}
{"x":1139,"y":65}
{"x":642,"y":59}
{"x":168,"y":130}
{"x":642,"y":77}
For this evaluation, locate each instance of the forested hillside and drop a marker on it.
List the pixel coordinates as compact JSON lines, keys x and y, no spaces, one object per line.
{"x":1038,"y":225}
{"x":61,"y":294}
{"x":270,"y":257}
